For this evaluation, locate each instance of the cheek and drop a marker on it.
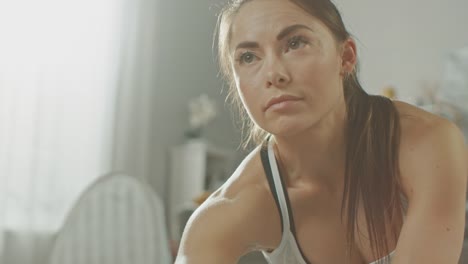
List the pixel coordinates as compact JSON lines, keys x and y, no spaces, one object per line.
{"x":251,"y":100}
{"x":320,"y":73}
{"x":248,"y":91}
{"x":247,"y":96}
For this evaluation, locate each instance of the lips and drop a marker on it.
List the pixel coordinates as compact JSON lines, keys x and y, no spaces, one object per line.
{"x":280,"y":99}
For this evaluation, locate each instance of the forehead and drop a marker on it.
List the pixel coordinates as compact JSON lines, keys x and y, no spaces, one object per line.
{"x":258,"y":18}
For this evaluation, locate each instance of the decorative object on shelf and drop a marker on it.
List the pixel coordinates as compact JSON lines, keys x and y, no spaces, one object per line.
{"x":429,"y":93}
{"x":454,"y":85}
{"x":431,"y":101}
{"x":449,"y":97}
{"x":202,"y":197}
{"x":202,"y":110}
{"x":389,"y":92}
{"x":445,"y":110}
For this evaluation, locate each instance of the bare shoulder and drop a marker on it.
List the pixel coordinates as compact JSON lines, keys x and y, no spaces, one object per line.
{"x":427,"y":140}
{"x":231,"y":222}
{"x":418,"y":125}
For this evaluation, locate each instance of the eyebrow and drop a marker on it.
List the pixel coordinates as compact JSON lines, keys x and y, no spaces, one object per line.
{"x":288,"y":30}
{"x":283,"y":33}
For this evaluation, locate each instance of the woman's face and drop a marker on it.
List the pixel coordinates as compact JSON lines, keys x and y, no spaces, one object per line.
{"x":287,"y":66}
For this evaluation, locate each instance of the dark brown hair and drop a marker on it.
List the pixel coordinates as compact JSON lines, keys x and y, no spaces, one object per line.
{"x":372,"y":136}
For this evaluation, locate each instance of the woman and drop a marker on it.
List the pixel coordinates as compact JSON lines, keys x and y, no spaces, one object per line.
{"x":339,"y":176}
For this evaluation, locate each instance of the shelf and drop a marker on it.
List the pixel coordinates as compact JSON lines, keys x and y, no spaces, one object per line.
{"x":196,"y":166}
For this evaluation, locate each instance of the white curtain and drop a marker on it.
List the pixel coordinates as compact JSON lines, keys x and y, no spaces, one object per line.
{"x":70,"y":87}
{"x":137,"y":90}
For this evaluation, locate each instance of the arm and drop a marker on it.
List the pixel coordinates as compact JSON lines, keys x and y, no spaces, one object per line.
{"x":434,"y":175}
{"x":218,"y":232}
{"x":208,"y":237}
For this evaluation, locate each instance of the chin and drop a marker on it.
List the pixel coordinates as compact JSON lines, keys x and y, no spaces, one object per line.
{"x":289,"y":128}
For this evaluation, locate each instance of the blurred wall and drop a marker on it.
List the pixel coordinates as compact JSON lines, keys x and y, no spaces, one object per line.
{"x":403,"y":43}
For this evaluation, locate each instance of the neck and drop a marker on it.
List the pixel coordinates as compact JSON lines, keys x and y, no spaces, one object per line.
{"x":315,"y":156}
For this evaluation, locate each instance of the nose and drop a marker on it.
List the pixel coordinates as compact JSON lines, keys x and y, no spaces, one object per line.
{"x":277,"y":74}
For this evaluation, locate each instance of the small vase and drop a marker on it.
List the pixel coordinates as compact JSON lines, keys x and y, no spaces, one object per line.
{"x":193,"y":133}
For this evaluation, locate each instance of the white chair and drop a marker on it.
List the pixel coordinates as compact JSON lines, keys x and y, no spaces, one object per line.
{"x":117,"y":220}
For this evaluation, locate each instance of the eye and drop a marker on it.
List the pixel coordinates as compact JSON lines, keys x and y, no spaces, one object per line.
{"x":297,"y":42}
{"x":246,"y":58}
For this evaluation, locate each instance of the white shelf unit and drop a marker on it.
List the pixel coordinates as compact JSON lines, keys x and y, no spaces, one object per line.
{"x":196,"y":166}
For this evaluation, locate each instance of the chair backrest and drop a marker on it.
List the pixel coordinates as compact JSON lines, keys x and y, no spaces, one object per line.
{"x":117,"y":220}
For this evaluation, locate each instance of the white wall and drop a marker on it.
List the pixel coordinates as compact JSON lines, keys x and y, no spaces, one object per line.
{"x":403,"y":43}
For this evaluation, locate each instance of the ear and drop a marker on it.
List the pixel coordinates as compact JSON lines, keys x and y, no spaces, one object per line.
{"x":348,"y":56}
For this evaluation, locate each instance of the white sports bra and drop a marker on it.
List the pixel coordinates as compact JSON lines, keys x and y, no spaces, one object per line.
{"x":288,"y":251}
